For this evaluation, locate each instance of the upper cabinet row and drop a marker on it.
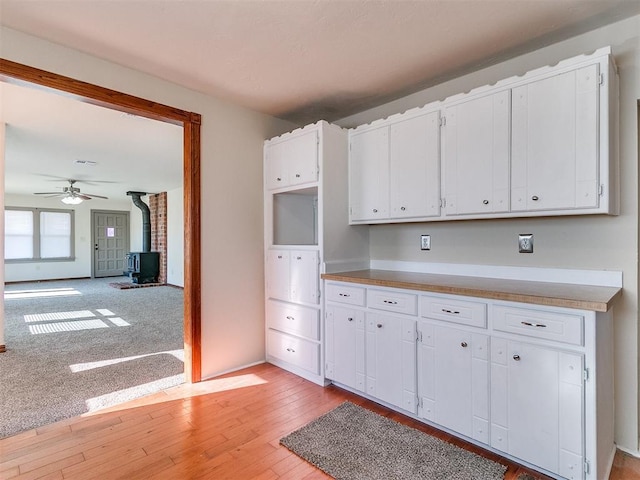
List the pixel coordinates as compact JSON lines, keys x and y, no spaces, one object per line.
{"x":540,"y":144}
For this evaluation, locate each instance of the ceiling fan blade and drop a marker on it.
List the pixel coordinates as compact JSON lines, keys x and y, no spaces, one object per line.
{"x":49,"y":193}
{"x":83,"y":196}
{"x":95,"y":196}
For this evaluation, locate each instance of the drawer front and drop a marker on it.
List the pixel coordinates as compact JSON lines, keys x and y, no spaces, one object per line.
{"x":393,"y":301}
{"x":293,"y":319}
{"x":337,"y":292}
{"x":296,"y":351}
{"x":473,"y":314}
{"x":561,"y":327}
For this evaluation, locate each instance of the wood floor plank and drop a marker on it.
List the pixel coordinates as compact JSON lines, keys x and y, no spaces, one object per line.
{"x":229,"y":427}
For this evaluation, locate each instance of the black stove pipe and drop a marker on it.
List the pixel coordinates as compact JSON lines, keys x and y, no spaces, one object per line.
{"x":146,"y":219}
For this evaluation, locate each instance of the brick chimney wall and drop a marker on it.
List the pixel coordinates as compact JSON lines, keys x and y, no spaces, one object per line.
{"x":158,"y":213}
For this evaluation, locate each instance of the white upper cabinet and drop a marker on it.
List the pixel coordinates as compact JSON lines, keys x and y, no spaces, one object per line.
{"x":414,"y":165}
{"x":292,"y":162}
{"x":476,"y":155}
{"x":369,"y":175}
{"x":555,"y":142}
{"x":543,"y":143}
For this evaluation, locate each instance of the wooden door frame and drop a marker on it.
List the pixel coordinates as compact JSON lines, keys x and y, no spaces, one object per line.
{"x":19,"y":74}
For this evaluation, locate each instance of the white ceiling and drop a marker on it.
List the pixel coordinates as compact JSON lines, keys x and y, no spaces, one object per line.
{"x":300,"y":60}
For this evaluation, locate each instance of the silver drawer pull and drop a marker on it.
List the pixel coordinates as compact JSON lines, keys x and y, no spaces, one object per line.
{"x":289,"y":317}
{"x":291,"y":350}
{"x":516,"y":357}
{"x":403,"y":208}
{"x":344,"y":295}
{"x":390,"y":302}
{"x":464,"y":344}
{"x":452,"y":312}
{"x":375,"y":210}
{"x":350,"y":319}
{"x":485,"y":202}
{"x":279,"y":256}
{"x":379,"y":325}
{"x":297,"y":175}
{"x":529,"y":324}
{"x":298,"y":258}
{"x":535,"y":198}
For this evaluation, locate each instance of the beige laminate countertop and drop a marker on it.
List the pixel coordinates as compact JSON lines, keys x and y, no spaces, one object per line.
{"x":584,"y":297}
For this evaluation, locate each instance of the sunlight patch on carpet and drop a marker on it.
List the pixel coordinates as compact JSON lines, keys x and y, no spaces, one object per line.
{"x":44,"y":317}
{"x":82,"y":367}
{"x":118,"y":322}
{"x":45,"y":292}
{"x":67,"y":326}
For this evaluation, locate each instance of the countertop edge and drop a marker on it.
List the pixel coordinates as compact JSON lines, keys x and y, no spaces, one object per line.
{"x":612,"y":293}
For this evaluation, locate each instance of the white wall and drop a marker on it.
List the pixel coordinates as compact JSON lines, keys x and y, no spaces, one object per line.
{"x":175,"y":237}
{"x":81,"y":266}
{"x":231,"y":172}
{"x":591,"y":242}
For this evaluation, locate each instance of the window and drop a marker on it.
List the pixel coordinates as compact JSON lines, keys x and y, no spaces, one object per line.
{"x":34,"y":234}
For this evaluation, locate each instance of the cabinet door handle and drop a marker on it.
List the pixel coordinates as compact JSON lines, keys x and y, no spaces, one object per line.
{"x":289,"y":317}
{"x":298,"y":258}
{"x":516,"y":357}
{"x":535,"y":198}
{"x":379,"y":325}
{"x":344,"y":295}
{"x":390,"y":302}
{"x":279,"y":179}
{"x":403,"y":208}
{"x":485,"y":202}
{"x":464,"y":344}
{"x":350,"y":319}
{"x":530,"y":324}
{"x":375,"y":210}
{"x":297,"y":175}
{"x":291,"y":350}
{"x":451,"y":312}
{"x":280,"y":256}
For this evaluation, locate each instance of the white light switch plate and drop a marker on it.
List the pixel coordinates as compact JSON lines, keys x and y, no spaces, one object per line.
{"x":425,"y":242}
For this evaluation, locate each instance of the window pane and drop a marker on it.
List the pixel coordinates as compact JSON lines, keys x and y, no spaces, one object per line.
{"x":55,"y":234}
{"x":18,"y":234}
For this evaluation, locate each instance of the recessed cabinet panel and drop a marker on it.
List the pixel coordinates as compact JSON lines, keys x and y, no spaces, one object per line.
{"x":277,"y":272}
{"x":476,"y":155}
{"x":304,"y":276}
{"x":345,"y":346}
{"x":555,"y":142}
{"x":414,"y":168}
{"x":369,"y":175}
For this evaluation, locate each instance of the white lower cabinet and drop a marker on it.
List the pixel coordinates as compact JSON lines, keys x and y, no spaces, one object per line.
{"x":519,"y":379}
{"x":345,"y":346}
{"x":453,"y":379}
{"x":537,"y":405}
{"x":391,"y":359}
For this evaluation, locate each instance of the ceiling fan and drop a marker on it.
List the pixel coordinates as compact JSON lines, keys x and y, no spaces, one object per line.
{"x":71,"y":195}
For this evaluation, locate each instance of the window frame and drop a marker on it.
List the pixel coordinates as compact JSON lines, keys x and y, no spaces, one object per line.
{"x":37,"y":233}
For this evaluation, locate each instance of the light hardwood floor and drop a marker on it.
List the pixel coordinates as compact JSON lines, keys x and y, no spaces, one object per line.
{"x":226,"y":428}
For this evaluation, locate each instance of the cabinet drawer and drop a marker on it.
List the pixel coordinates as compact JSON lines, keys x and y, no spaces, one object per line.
{"x":296,"y":351}
{"x":561,"y":327}
{"x":293,"y":319}
{"x":393,"y":301}
{"x":345,"y":294}
{"x":464,"y":312}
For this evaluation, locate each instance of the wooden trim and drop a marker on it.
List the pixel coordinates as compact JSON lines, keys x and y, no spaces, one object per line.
{"x":17,"y":73}
{"x":3,"y":348}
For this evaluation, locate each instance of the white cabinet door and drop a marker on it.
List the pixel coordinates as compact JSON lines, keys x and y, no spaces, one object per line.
{"x":369,"y":175}
{"x":414,"y":168}
{"x":537,"y":405}
{"x":293,"y":161}
{"x":453,"y":379}
{"x":391,"y":360}
{"x":555,"y":142}
{"x":304,"y":276}
{"x":345,"y":346}
{"x":476,"y":156}
{"x":278,"y":274}
{"x":303,"y":158}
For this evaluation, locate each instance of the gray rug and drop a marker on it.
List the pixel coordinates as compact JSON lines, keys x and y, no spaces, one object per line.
{"x":79,"y":345}
{"x":353,"y":443}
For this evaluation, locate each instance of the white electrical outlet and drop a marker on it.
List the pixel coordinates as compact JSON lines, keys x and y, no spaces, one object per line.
{"x":525,"y":243}
{"x":425,"y":242}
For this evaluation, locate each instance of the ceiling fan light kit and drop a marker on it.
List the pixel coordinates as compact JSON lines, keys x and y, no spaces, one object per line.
{"x":71,"y":195}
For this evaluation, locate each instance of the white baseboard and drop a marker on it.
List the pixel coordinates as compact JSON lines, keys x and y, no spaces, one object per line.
{"x":633,"y":453}
{"x":603,"y":278}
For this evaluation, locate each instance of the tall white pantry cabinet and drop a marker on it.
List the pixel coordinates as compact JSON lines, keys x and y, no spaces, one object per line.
{"x":307,"y":233}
